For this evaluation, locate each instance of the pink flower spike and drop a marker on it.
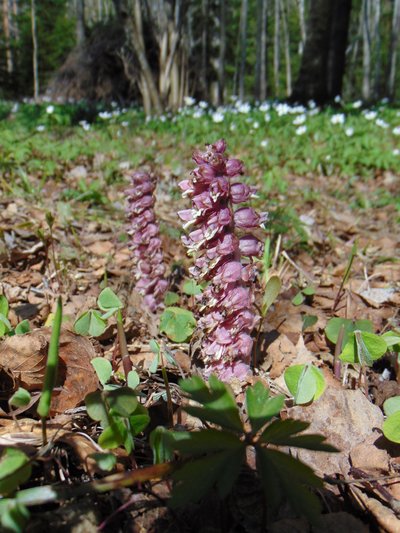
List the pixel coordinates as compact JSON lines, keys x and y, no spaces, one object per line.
{"x":240,"y":193}
{"x":226,"y":303}
{"x":145,"y":243}
{"x":228,"y":273}
{"x":247,"y":218}
{"x":250,"y":246}
{"x":234,"y":167}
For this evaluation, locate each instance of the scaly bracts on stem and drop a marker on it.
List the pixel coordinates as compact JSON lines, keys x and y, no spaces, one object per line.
{"x":145,"y":240}
{"x":223,"y":252}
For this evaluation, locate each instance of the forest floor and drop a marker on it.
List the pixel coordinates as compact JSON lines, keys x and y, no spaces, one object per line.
{"x":63,"y":232}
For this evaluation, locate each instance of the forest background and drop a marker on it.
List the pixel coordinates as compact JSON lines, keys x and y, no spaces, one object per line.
{"x":156,"y":52}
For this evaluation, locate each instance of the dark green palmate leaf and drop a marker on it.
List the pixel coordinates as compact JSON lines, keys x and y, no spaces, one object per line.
{"x":284,"y":477}
{"x":260,"y":407}
{"x":283,"y":433}
{"x":196,"y":479}
{"x":218,"y":401}
{"x":204,"y":441}
{"x":280,"y":430}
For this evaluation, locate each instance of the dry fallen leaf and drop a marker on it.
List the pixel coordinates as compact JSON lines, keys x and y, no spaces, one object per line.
{"x":24,"y":357}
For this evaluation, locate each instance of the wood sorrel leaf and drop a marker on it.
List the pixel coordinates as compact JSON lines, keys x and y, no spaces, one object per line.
{"x":334,"y":325}
{"x":15,"y":469}
{"x":391,"y":405}
{"x":90,"y":323}
{"x":108,"y":300}
{"x":105,"y":461}
{"x":122,"y":401}
{"x":191,"y":288}
{"x":23,"y":327}
{"x":20,"y":398}
{"x":178,"y":324}
{"x":4,"y":308}
{"x":305,"y":383}
{"x":103,"y":369}
{"x":391,"y":427}
{"x":363,"y":348}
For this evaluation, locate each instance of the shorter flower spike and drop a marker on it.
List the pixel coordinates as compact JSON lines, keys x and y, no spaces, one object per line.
{"x":223,"y":253}
{"x":145,"y":242}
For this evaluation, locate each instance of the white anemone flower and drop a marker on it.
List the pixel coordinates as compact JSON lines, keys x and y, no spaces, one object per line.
{"x":396,"y":130}
{"x":349,"y":132}
{"x":301,"y":130}
{"x":217,"y":117}
{"x":300,"y":119}
{"x":339,"y":118}
{"x":370,"y":115}
{"x":265,"y":106}
{"x":357,"y":104}
{"x":381,"y":123}
{"x":189,"y":101}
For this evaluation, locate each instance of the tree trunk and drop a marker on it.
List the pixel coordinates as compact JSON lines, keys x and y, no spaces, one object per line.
{"x":261,"y":52}
{"x":204,"y":49}
{"x":34,"y":52}
{"x":337,"y":47}
{"x":242,"y":53}
{"x":222,"y":52}
{"x":366,"y":80}
{"x":302,"y":24}
{"x":80,"y":21}
{"x":377,"y":49}
{"x":287,"y":51}
{"x":322,"y":67}
{"x":393,"y":49}
{"x":7,"y":36}
{"x":276,"y":48}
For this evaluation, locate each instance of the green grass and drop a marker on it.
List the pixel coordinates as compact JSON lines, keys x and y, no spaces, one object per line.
{"x":272,"y":150}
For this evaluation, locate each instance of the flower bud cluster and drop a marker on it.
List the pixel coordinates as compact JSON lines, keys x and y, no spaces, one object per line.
{"x":223,"y":257}
{"x":145,"y":240}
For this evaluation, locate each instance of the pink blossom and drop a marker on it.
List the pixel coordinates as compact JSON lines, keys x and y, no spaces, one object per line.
{"x":227,"y":312}
{"x":145,"y":242}
{"x":247,"y":218}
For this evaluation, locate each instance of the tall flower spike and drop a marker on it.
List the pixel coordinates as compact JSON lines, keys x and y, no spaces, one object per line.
{"x":223,"y":257}
{"x":145,"y":240}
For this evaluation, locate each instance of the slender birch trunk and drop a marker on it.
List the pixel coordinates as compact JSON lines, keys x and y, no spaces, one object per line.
{"x":276,"y":47}
{"x":261,"y":53}
{"x":242,"y":53}
{"x":34,"y":51}
{"x":287,"y":51}
{"x":393,"y":49}
{"x":366,"y":80}
{"x":7,"y":37}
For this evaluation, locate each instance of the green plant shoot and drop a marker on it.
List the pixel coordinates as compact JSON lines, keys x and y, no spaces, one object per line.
{"x":51,"y":369}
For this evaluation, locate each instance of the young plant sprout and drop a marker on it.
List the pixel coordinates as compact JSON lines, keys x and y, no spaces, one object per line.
{"x":223,"y":251}
{"x":145,"y":240}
